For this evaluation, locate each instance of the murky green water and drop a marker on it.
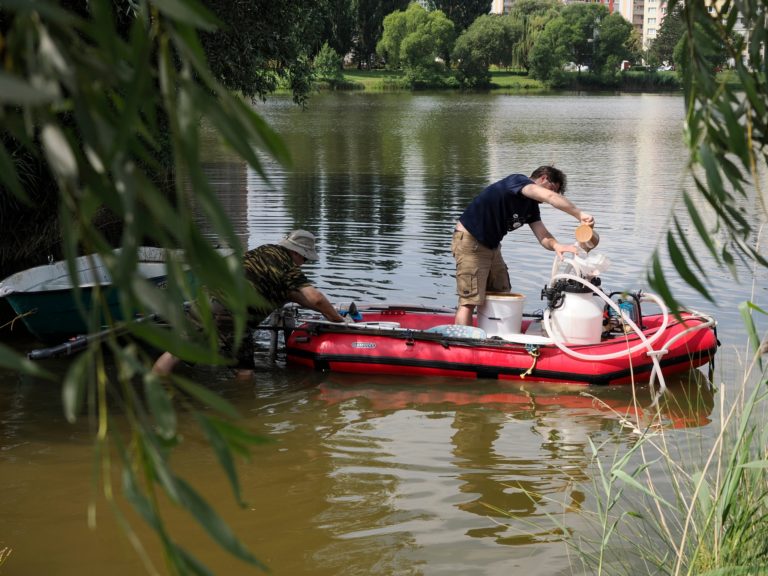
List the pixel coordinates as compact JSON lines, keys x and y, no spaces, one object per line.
{"x":382,"y":475}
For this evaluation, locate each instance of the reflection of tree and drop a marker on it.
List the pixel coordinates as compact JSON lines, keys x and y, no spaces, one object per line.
{"x":519,"y":456}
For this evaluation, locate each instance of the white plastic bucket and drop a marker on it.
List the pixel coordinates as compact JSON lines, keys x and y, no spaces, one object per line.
{"x":502,"y":314}
{"x":579,"y":320}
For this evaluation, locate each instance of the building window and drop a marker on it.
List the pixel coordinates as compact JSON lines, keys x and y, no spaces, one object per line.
{"x":651,"y":21}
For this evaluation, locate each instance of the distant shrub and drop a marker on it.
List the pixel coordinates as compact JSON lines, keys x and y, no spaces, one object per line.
{"x":327,"y":65}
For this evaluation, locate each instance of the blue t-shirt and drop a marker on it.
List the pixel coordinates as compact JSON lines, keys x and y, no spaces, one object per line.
{"x":499,"y":209}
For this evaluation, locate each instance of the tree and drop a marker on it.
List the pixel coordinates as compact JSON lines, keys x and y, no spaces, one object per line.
{"x":462,"y":12}
{"x":261,"y":44}
{"x":339,"y":25}
{"x":415,"y":39}
{"x":327,"y":65}
{"x":489,"y":40}
{"x":549,"y":53}
{"x":670,"y":32}
{"x":533,"y":16}
{"x":573,"y":36}
{"x":613,"y":44}
{"x":581,"y":31}
{"x":369,"y":21}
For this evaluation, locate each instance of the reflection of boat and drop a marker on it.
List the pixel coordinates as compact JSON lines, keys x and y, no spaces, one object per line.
{"x":408,"y":340}
{"x":687,"y":403}
{"x":44,"y":299}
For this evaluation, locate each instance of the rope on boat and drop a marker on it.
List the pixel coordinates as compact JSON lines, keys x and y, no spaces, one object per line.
{"x":18,"y":317}
{"x":534,"y":351}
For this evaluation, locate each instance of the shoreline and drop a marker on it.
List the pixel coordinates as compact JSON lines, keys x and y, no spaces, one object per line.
{"x":513,"y":82}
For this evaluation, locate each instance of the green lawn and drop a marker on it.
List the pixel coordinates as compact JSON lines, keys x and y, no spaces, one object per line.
{"x":380,"y":80}
{"x":373,"y":79}
{"x":514,"y":81}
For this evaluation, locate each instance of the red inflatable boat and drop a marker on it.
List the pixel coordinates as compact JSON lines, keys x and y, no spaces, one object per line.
{"x":420,"y":341}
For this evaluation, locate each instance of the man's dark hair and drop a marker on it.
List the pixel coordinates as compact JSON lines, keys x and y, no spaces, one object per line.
{"x":553,"y":175}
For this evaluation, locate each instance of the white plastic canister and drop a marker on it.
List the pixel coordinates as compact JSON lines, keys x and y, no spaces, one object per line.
{"x":502,"y":314}
{"x":579,"y":320}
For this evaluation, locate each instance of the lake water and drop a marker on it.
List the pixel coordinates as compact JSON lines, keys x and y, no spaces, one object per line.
{"x":370,"y":475}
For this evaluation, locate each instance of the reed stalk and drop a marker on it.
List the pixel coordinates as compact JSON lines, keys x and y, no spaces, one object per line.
{"x":685,"y":502}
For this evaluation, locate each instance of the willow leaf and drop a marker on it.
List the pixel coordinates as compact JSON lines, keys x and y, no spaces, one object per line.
{"x":161,"y":406}
{"x":709,"y":163}
{"x":160,"y":464}
{"x":681,"y":265}
{"x":163,"y":339}
{"x":137,"y":499}
{"x":699,"y":224}
{"x":223,"y":454}
{"x":191,"y":564}
{"x":238,"y":439}
{"x":190,"y":12}
{"x":214,"y":525}
{"x":729,"y":261}
{"x":657,"y":281}
{"x":73,"y":388}
{"x":50,"y":10}
{"x":688,"y":248}
{"x":737,"y":141}
{"x":19,"y":92}
{"x":208,"y":398}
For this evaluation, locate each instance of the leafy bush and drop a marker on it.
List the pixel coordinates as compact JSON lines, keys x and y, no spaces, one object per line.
{"x":328,"y":65}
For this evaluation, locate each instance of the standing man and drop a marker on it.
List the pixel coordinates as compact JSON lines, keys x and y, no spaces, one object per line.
{"x":502,"y":207}
{"x":274,"y":270}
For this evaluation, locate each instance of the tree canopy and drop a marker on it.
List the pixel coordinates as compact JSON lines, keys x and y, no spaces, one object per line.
{"x":415,"y":39}
{"x":262,"y":43}
{"x":489,"y":40}
{"x":462,"y":12}
{"x":670,"y":32}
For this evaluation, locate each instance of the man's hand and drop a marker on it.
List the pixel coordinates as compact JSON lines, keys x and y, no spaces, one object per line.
{"x":561,"y":249}
{"x":587,"y":219}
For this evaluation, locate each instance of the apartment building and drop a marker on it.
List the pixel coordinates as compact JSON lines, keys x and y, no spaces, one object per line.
{"x":501,"y":6}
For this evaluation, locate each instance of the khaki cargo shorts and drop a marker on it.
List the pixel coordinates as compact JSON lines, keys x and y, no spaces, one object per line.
{"x":478,"y":269}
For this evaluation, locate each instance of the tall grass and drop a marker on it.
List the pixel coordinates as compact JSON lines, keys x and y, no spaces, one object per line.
{"x":682,"y":505}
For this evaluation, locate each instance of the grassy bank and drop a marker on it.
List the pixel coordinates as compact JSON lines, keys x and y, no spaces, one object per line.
{"x":509,"y":82}
{"x":394,"y":80}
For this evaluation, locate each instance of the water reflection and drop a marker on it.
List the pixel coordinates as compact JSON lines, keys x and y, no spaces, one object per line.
{"x":514,"y":455}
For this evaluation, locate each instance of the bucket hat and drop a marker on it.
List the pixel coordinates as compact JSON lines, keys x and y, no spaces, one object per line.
{"x":301,"y":242}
